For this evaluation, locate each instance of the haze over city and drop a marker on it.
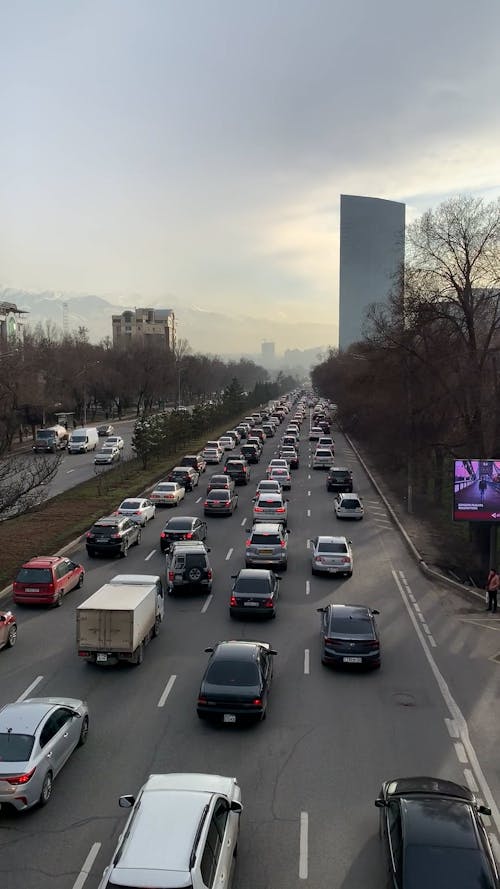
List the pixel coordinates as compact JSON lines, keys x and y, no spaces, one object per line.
{"x":191,"y":155}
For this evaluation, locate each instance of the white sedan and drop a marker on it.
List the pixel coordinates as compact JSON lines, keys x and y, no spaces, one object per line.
{"x":168,"y":494}
{"x":211,"y":455}
{"x":137,"y":509}
{"x":227,"y":442}
{"x":115,"y":440}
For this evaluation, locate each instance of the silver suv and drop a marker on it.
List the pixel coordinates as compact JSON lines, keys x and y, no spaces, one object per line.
{"x":188,"y":565}
{"x":267,"y":544}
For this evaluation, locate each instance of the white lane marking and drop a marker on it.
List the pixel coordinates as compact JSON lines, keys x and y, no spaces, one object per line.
{"x":471,"y":781}
{"x":308,"y":544}
{"x":460,"y":751}
{"x":150,"y":555}
{"x":308,"y":513}
{"x":243,"y":522}
{"x":207,"y":602}
{"x":421,"y":616}
{"x":69,"y":470}
{"x":198,"y":501}
{"x":308,"y":587}
{"x":30,"y":688}
{"x":495,"y":844}
{"x":308,"y":493}
{"x":432,"y":641}
{"x":417,"y":608}
{"x":454,"y":710}
{"x":308,"y":476}
{"x":303,"y":849}
{"x":306,"y":662}
{"x":87,"y":866}
{"x":229,"y":554}
{"x":168,"y":689}
{"x":452,"y":727}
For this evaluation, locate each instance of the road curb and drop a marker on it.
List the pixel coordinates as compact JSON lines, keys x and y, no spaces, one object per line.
{"x":426,"y":569}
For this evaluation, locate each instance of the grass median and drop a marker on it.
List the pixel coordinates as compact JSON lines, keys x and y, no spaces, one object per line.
{"x":45,"y":529}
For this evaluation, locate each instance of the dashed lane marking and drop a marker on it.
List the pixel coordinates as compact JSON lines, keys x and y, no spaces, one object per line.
{"x":460,"y":751}
{"x":308,"y":587}
{"x":243,"y":522}
{"x":306,"y":662}
{"x":167,"y":690}
{"x":303,"y":846}
{"x":452,"y":727}
{"x":229,"y":554}
{"x":30,"y":688}
{"x":207,"y":602}
{"x":87,"y":866}
{"x":198,"y":501}
{"x":151,"y":554}
{"x":308,"y":513}
{"x":471,"y":781}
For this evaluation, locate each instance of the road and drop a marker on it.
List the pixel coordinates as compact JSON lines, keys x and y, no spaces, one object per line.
{"x":310,"y":773}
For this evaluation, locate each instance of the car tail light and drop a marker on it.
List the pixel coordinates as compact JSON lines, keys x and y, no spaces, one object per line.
{"x":257,"y":702}
{"x":202,"y":701}
{"x":282,"y":544}
{"x":328,"y":640}
{"x":319,"y":559}
{"x":232,"y":600}
{"x":163,"y":535}
{"x":258,"y":509}
{"x":89,"y":534}
{"x":346,"y":560}
{"x":170,"y":575}
{"x":207,"y":502}
{"x":189,"y":536}
{"x":280,"y":509}
{"x":209,"y":574}
{"x":15,"y":780}
{"x":115,"y":536}
{"x":137,"y":512}
{"x":248,"y":542}
{"x":373,"y":644}
{"x":268,"y":603}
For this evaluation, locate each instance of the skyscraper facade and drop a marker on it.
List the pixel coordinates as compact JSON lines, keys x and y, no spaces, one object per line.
{"x":372,"y":251}
{"x":267,"y":351}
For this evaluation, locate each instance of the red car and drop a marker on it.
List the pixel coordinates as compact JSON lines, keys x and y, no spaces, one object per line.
{"x":8,"y":629}
{"x":46,"y":579}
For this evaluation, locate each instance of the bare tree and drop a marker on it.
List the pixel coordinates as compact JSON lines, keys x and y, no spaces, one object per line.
{"x":23,"y":481}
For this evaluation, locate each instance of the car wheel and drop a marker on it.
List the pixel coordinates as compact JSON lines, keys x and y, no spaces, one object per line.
{"x":140,"y":655}
{"x":139,"y":538}
{"x":124,"y":552}
{"x":46,"y":792}
{"x":156,"y":628}
{"x":80,"y":581}
{"x":12,"y":636}
{"x":263,"y":715}
{"x":59,"y":600}
{"x":348,"y":574}
{"x":84,"y":731}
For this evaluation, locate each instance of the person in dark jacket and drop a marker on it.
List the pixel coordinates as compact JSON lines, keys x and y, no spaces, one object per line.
{"x":492,"y":585}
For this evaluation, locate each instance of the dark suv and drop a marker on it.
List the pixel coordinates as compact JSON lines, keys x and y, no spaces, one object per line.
{"x":196,"y":461}
{"x":339,"y":479}
{"x":182,"y":528}
{"x":113,"y":534}
{"x":238,"y":469}
{"x":188,"y":566}
{"x":250,"y":453}
{"x":185,"y":476}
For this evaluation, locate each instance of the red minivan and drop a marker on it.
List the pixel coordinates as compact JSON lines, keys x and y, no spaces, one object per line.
{"x":46,"y":579}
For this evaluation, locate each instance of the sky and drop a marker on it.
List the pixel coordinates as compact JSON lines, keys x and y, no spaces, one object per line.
{"x":192,"y":153}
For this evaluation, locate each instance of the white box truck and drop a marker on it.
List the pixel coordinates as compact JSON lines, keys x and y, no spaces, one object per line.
{"x":83,"y":439}
{"x":120,"y":619}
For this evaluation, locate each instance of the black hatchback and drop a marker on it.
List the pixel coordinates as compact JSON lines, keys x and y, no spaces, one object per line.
{"x":112,"y":535}
{"x":236,"y":683}
{"x":434,"y":836}
{"x":255,"y":593}
{"x":339,"y":479}
{"x":182,"y":528}
{"x":349,"y":635}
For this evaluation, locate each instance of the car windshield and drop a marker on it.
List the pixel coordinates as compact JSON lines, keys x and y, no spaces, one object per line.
{"x":351,"y":626}
{"x":179,"y":524}
{"x":166,"y":486}
{"x":78,"y":438}
{"x":34,"y":575}
{"x":269,"y":501}
{"x":267,"y":539}
{"x":45,"y":433}
{"x":131,"y":504}
{"x":438,"y":866}
{"x":330,"y":547}
{"x":339,"y":475}
{"x":350,"y":504}
{"x":15,"y":748}
{"x":219,"y":480}
{"x":252,"y":585}
{"x":226,"y":672}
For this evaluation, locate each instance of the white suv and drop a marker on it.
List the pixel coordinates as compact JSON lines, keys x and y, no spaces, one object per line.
{"x":182,"y":831}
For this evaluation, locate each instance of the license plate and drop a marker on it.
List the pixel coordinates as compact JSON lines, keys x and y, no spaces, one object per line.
{"x":352,"y":660}
{"x":102,"y":658}
{"x":265,"y":552}
{"x":32,"y":589}
{"x":251,"y":604}
{"x":229,"y":717}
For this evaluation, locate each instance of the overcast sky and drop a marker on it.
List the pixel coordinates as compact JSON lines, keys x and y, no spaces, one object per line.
{"x":192,"y":152}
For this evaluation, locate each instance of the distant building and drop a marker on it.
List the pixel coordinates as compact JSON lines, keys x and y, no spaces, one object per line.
{"x":372,"y":251}
{"x":146,"y":326}
{"x":11,"y":324}
{"x":267,"y":351}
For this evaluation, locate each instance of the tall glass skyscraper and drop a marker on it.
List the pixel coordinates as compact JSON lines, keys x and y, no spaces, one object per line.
{"x":372,"y":251}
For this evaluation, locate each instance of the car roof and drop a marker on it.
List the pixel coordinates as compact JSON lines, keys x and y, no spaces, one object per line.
{"x":325,"y":538}
{"x":428,"y":786}
{"x":219,"y":491}
{"x":438,"y":821}
{"x":189,"y":545}
{"x":267,"y":528}
{"x":24,"y":717}
{"x":220,"y":475}
{"x":181,"y":469}
{"x":42,"y":562}
{"x":271,"y":496}
{"x":240,"y":648}
{"x":352,"y":496}
{"x":110,"y":520}
{"x":180,"y":521}
{"x":254,"y":573}
{"x":352,"y":611}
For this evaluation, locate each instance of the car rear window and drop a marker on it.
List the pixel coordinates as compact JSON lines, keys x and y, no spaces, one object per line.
{"x":340,"y":475}
{"x":15,"y":748}
{"x":332,"y":547}
{"x":165,"y":486}
{"x":252,"y":585}
{"x":179,"y":524}
{"x":351,"y":625}
{"x":214,"y":494}
{"x":226,"y":672}
{"x":268,"y":539}
{"x":350,"y":504}
{"x":269,"y":502}
{"x":131,"y":504}
{"x":34,"y":575}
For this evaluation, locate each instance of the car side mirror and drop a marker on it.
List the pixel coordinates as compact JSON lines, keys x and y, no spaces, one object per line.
{"x":349,"y":541}
{"x":127,"y":801}
{"x":272,"y":651}
{"x":484,"y":810}
{"x":236,"y":807}
{"x":2,"y":618}
{"x":374,"y":611}
{"x":380,"y":803}
{"x":209,"y":650}
{"x":234,"y":576}
{"x":209,"y":549}
{"x":288,"y":530}
{"x":322,"y":610}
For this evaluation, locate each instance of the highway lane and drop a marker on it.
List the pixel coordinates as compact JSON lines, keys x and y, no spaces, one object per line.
{"x":309,"y":774}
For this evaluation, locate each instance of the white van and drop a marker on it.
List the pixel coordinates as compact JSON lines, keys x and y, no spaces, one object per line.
{"x":84,"y":439}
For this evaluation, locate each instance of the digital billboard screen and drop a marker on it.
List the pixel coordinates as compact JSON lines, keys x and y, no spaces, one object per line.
{"x":476,"y":492}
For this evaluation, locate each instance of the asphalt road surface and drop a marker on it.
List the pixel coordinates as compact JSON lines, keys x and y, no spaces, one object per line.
{"x":310,"y":773}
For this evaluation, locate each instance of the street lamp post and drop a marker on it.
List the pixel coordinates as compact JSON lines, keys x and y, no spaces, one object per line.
{"x":80,"y":373}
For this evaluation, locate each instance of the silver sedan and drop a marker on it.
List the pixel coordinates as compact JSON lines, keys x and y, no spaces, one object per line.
{"x":37,"y":737}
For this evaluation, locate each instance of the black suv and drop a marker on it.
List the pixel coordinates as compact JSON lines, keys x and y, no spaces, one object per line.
{"x":238,"y":470}
{"x":188,"y":566}
{"x":182,"y":528}
{"x":112,"y":534}
{"x":339,"y":479}
{"x":250,"y":453}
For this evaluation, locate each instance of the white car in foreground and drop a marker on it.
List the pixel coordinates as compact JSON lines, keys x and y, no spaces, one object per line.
{"x":138,"y":510}
{"x":198,"y":849}
{"x":348,"y":506}
{"x":167,"y":494}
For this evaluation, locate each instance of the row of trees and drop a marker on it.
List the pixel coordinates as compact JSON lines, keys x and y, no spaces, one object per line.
{"x":423,"y":385}
{"x":48,"y":374}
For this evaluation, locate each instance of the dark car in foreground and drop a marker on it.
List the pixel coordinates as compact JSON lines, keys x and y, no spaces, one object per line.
{"x":238,"y":469}
{"x":434,"y":836}
{"x":255,"y":593}
{"x":339,"y":479}
{"x":182,"y":528}
{"x":219,"y":480}
{"x":220,"y":501}
{"x":236,"y":683}
{"x":112,"y":535}
{"x":349,"y":635}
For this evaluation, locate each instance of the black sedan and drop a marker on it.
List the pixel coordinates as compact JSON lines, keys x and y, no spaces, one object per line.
{"x":220,"y":501}
{"x":434,"y":836}
{"x":255,"y":593}
{"x":349,"y":635}
{"x":236,"y":682}
{"x":182,"y":528}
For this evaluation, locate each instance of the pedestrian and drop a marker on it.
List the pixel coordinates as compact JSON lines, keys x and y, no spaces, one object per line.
{"x":483,"y":484}
{"x":492,"y":585}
